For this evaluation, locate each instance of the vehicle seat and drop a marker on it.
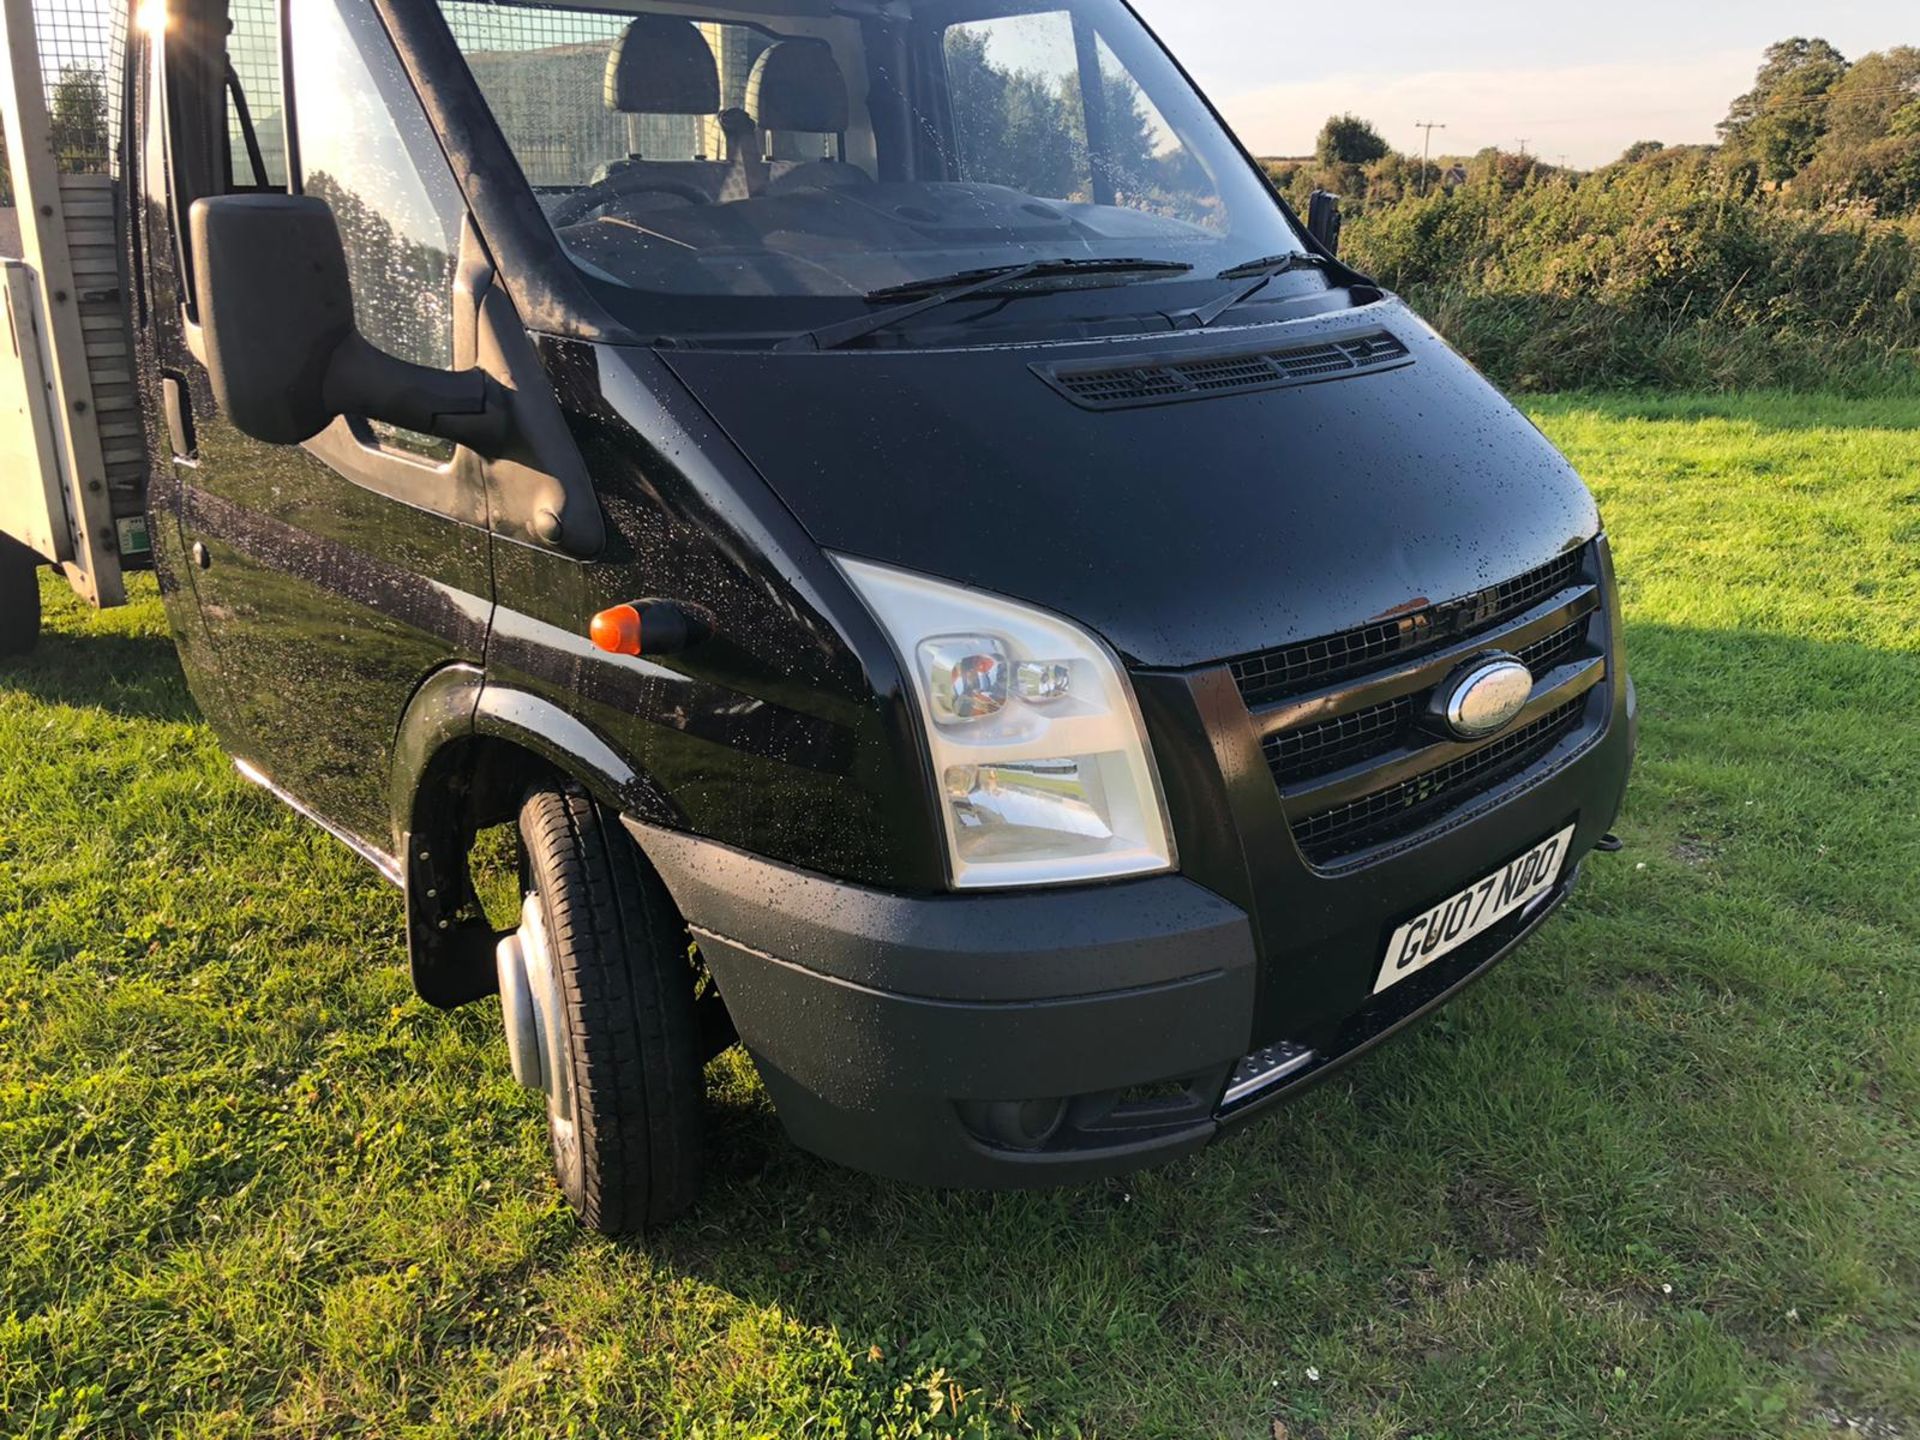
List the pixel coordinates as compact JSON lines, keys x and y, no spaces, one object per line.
{"x":796,"y":88}
{"x":747,"y":172}
{"x":663,"y":65}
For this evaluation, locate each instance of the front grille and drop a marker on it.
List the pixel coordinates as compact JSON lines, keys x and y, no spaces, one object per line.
{"x":1342,"y":720}
{"x":1345,"y":740}
{"x":1400,"y":808}
{"x":1159,"y":381}
{"x":1318,"y":749}
{"x":1543,"y":655}
{"x":1272,"y":674}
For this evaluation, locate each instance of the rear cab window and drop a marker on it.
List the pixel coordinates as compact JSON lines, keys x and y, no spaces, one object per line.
{"x":1023,"y":118}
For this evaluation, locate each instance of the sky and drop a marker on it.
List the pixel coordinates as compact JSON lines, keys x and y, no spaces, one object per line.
{"x":1579,"y":81}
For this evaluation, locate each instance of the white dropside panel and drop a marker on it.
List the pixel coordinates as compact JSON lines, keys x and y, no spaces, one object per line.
{"x":33,"y":489}
{"x":91,"y":559}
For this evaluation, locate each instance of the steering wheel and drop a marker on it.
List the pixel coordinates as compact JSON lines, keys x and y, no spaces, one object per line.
{"x":576,"y":207}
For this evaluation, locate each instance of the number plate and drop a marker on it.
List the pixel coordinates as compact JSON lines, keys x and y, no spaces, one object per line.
{"x":1458,"y":918}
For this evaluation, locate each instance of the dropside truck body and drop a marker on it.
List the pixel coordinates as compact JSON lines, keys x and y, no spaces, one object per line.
{"x":73,"y":457}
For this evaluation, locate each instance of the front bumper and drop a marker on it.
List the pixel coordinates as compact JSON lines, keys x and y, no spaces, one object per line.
{"x":876,"y":1019}
{"x":885,"y":1027}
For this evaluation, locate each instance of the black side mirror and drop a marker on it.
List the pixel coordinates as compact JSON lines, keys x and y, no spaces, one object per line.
{"x":1323,"y":220}
{"x":286,"y":359}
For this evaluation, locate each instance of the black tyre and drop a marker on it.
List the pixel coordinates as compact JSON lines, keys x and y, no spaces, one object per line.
{"x":19,"y":597}
{"x":625,"y":1099}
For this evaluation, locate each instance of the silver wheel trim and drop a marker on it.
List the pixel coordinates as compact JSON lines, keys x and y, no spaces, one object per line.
{"x":534,"y":1010}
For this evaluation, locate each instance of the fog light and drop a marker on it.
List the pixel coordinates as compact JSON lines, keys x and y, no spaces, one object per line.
{"x":1015,"y":1124}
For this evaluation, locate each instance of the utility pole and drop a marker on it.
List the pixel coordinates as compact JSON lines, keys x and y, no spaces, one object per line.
{"x":1426,"y":150}
{"x":1524,"y":140}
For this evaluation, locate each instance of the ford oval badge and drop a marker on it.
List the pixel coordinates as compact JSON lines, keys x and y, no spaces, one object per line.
{"x":1484,"y":699}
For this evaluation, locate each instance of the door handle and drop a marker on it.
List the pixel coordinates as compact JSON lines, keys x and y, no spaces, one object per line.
{"x":179,"y":408}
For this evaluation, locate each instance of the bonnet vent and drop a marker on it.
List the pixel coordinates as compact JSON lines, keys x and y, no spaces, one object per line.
{"x":1168,"y":382}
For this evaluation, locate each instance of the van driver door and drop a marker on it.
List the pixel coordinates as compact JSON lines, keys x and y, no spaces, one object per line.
{"x":332,"y":577}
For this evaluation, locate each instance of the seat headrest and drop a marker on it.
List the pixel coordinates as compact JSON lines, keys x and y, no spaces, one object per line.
{"x":662,"y":65}
{"x":797,"y":85}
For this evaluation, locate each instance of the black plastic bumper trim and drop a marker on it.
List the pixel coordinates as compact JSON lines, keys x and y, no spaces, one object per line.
{"x":994,"y":947}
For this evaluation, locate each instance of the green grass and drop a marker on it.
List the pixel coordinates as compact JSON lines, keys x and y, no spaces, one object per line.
{"x":1658,"y":1177}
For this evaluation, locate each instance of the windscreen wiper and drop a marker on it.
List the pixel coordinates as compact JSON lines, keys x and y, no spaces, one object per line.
{"x":1261,"y":272}
{"x":948,"y":289}
{"x":1274,"y":265}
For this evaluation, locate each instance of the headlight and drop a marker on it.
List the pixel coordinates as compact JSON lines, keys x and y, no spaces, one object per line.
{"x":1044,"y":771}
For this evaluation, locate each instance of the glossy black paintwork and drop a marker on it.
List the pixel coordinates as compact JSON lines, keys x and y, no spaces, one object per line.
{"x":337,"y":588}
{"x":783,"y":733}
{"x":1183,"y":534}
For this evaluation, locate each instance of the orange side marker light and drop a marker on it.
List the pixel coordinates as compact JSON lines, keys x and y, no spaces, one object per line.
{"x":617,"y":631}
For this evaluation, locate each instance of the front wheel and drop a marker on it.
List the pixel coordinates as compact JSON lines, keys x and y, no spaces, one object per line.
{"x":19,"y":597}
{"x":598,"y":996}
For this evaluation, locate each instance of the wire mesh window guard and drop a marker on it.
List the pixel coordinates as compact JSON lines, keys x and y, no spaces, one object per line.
{"x":82,"y":51}
{"x":81,"y":43}
{"x":253,"y":49}
{"x":543,"y":72}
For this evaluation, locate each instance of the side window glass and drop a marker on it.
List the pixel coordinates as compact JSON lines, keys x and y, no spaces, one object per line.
{"x":367,"y":149}
{"x":1017,"y":115}
{"x":256,"y":119}
{"x":1152,"y":168}
{"x":1025,"y":95}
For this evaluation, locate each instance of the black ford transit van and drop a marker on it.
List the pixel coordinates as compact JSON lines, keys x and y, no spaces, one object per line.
{"x":957,"y":588}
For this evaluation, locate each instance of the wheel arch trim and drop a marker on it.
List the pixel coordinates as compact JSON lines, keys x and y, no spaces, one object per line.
{"x":442,"y":736}
{"x":458,"y":704}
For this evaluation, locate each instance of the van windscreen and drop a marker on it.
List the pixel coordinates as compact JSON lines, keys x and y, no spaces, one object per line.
{"x":745,"y":172}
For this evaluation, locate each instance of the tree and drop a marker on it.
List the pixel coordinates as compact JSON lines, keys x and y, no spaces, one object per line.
{"x":404,"y":283}
{"x":1349,"y":140}
{"x":1502,"y":169}
{"x":1863,"y":104}
{"x":1776,"y":126}
{"x":1027,"y":130}
{"x":1870,"y":150}
{"x":1641,"y":150}
{"x":1128,"y":130}
{"x":1016,"y":130}
{"x":79,"y":119}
